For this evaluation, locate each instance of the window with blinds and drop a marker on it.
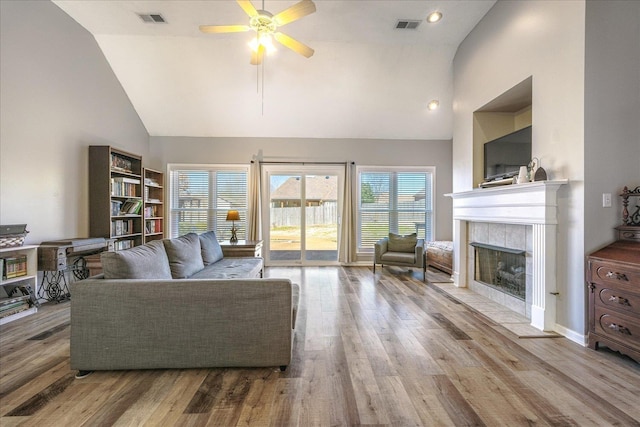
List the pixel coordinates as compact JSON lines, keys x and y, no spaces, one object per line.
{"x":201,"y":198}
{"x":393,"y":200}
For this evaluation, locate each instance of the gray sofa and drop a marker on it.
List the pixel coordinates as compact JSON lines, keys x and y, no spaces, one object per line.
{"x":178,"y":303}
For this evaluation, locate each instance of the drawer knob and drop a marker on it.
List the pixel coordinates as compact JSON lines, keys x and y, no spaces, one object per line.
{"x":619,"y":300}
{"x":618,"y":276}
{"x":620,"y":328}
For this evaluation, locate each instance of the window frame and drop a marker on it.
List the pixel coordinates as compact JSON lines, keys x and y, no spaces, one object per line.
{"x":360,"y":169}
{"x":211,"y":169}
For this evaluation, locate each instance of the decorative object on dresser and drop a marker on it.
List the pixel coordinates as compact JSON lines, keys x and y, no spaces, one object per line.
{"x":115,"y":196}
{"x":613,"y":279}
{"x":630,"y":228}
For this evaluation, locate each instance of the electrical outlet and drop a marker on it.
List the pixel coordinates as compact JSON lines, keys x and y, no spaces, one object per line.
{"x":606,"y":200}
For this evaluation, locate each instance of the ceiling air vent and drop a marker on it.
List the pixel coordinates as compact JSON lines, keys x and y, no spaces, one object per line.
{"x":407,"y":24}
{"x":152,"y":18}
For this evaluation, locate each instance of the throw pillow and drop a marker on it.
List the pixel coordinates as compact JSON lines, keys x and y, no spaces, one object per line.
{"x":148,"y":261}
{"x":184,"y":255}
{"x":211,"y":250}
{"x":398,"y":243}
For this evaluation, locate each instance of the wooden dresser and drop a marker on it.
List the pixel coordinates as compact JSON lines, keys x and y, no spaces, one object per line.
{"x":613,"y":278}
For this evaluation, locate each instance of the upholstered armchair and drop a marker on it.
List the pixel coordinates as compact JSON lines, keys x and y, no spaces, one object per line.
{"x":401,"y":251}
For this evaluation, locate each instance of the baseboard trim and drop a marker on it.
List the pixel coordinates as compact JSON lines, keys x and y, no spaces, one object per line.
{"x":571,"y":335}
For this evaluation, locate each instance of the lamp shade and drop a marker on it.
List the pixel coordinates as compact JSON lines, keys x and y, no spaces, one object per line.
{"x":233,"y":216}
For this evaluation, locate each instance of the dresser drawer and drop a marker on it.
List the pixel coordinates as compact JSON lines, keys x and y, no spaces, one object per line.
{"x":617,"y":326}
{"x":614,"y":274}
{"x":618,"y":300}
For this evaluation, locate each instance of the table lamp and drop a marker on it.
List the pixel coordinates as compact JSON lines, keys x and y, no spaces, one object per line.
{"x":233,"y":216}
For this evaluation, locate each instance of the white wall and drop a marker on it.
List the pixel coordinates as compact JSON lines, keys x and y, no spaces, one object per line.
{"x":543,"y":39}
{"x":362,"y":151}
{"x":58,"y":95}
{"x":612,"y":114}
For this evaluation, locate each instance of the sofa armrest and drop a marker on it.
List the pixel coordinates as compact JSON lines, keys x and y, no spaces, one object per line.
{"x":380,"y":247}
{"x":419,"y":253}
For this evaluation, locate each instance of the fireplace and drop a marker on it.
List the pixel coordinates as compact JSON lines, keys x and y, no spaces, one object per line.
{"x":532,"y":205}
{"x":501,"y":268}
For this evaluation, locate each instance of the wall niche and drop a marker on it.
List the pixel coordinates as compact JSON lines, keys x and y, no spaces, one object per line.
{"x":505,"y":114}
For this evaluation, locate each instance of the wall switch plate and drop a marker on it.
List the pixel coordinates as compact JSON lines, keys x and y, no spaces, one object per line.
{"x":606,"y":200}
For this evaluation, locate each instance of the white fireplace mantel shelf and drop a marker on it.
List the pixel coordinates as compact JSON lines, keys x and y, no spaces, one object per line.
{"x":533,"y":203}
{"x":530,"y":203}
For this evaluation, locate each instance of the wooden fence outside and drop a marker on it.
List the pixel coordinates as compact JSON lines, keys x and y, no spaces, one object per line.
{"x":325,"y":214}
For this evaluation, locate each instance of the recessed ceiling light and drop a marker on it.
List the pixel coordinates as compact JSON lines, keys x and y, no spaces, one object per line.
{"x":433,"y":105}
{"x":434,"y":17}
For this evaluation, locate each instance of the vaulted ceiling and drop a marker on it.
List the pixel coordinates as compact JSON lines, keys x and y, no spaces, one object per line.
{"x":367,"y":79}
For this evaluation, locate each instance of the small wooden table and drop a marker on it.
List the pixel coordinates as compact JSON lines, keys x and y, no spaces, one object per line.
{"x":242,"y":248}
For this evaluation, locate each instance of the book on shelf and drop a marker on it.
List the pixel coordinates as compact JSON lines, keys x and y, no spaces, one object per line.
{"x":125,"y":180}
{"x":153,"y":226}
{"x":15,"y":303}
{"x":122,"y":227}
{"x":152,"y":211}
{"x":116,"y":205}
{"x":121,"y":164}
{"x":7,"y":303}
{"x":14,"y":267}
{"x":124,"y":187}
{"x":131,"y":207}
{"x":123,"y":244}
{"x":15,"y":310}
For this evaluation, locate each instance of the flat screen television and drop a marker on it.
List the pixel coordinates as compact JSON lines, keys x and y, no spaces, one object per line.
{"x":504,"y":156}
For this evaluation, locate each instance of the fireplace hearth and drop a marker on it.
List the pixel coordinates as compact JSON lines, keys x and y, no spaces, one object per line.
{"x":501,"y":268}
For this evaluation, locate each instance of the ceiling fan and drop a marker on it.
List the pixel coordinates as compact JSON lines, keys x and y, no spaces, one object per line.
{"x":266,"y":25}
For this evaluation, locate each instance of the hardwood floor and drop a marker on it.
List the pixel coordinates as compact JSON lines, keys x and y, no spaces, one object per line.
{"x":369,"y":350}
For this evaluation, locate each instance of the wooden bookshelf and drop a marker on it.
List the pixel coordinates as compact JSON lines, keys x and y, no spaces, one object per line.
{"x":153,"y":207}
{"x":115,"y":196}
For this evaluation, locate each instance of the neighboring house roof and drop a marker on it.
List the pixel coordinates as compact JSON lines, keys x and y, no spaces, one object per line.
{"x":318,"y":187}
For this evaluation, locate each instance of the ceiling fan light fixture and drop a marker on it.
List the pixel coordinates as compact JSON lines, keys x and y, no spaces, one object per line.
{"x":265,"y":40}
{"x":434,"y":17}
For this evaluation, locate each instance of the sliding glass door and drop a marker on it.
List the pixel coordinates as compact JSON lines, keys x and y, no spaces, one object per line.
{"x":301,"y":219}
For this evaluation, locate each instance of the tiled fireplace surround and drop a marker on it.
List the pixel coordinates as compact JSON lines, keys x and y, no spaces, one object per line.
{"x":512,"y":236}
{"x":519,"y":216}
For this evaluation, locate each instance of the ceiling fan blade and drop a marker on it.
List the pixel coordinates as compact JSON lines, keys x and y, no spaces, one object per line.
{"x":247,"y":6}
{"x":295,"y":12}
{"x":256,"y":57}
{"x":224,"y":28}
{"x":294,"y":45}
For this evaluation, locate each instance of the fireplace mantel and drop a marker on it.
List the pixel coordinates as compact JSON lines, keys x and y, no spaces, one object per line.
{"x":533,"y":203}
{"x":530,"y":203}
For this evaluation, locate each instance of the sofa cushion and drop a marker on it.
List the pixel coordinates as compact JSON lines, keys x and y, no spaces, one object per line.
{"x":184,"y":255}
{"x":148,"y":261}
{"x":398,"y":243}
{"x":211,"y":250}
{"x":398,"y":257}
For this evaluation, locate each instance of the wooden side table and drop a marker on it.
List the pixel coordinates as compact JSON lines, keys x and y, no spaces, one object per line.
{"x":242,"y":248}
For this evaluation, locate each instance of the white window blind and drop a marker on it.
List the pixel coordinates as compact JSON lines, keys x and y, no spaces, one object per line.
{"x":397,"y":201}
{"x":201,"y":198}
